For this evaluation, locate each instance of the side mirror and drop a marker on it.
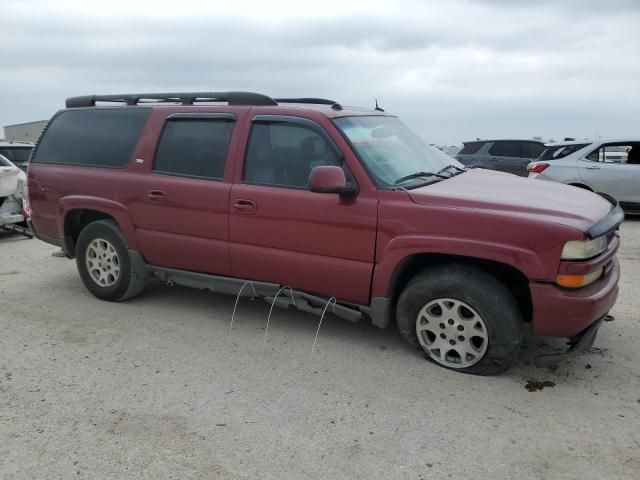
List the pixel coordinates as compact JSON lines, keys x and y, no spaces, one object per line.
{"x":330,"y":179}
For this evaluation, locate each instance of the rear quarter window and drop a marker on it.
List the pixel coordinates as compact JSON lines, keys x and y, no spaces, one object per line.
{"x":470,"y":147}
{"x":92,"y":137}
{"x":560,"y":151}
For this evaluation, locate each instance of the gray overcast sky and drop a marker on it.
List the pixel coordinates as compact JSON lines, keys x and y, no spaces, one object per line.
{"x":452,"y":70}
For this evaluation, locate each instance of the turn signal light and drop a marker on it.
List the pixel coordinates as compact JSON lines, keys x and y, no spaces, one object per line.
{"x":537,"y":167}
{"x":577,"y":281}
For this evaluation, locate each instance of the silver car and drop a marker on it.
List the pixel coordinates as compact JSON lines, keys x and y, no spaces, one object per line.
{"x":612,"y":167}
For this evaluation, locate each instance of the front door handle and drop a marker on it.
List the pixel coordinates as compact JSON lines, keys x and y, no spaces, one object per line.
{"x":242,"y":205}
{"x":493,"y":159}
{"x":594,"y":167}
{"x":156,"y":196}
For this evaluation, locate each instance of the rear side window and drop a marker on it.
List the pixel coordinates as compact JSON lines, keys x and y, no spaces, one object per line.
{"x":194,"y":148}
{"x":471,"y":147}
{"x":505,"y":149}
{"x":93,"y":137}
{"x":532,"y":150}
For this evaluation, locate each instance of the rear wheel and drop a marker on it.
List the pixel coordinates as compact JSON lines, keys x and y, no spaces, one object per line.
{"x":463,"y":319}
{"x":104,"y":263}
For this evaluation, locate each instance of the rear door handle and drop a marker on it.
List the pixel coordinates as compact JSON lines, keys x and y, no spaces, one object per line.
{"x":493,"y":159}
{"x":242,"y":205}
{"x":156,"y":196}
{"x":593,"y":167}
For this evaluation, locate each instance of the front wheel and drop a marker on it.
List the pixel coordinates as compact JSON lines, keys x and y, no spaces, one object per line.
{"x":463,"y":319}
{"x":104,"y":264}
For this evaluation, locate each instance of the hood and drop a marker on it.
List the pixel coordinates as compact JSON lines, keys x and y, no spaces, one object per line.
{"x":512,"y":195}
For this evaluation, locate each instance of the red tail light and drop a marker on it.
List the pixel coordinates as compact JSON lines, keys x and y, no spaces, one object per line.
{"x":26,"y":205}
{"x":537,"y":167}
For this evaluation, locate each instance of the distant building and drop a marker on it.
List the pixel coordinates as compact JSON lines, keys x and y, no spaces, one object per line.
{"x":24,"y":132}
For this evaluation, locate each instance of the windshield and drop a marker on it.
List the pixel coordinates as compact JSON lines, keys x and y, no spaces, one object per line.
{"x":391,"y":152}
{"x":16,"y":154}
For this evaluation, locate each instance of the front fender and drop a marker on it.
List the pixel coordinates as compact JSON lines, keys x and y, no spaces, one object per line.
{"x":397,"y":250}
{"x":108,"y":207}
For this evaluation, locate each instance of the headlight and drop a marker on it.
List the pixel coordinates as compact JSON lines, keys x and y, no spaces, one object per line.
{"x":584,"y":249}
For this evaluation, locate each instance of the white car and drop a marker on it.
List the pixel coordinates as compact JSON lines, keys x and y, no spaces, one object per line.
{"x":608,"y":166}
{"x":13,"y":183}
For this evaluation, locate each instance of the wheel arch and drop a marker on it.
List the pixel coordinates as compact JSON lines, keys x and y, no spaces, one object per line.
{"x":515,"y":280}
{"x":77,"y":212}
{"x":580,"y":185}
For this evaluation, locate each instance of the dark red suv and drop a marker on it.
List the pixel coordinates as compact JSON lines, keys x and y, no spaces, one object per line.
{"x":211,"y":190}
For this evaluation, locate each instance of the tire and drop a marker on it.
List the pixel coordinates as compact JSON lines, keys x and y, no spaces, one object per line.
{"x":487,"y":322}
{"x":119,"y":276}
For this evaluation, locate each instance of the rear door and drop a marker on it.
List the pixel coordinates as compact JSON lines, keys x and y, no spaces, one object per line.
{"x":506,"y":156}
{"x":283,"y":233}
{"x":178,"y":197}
{"x":620,"y":180}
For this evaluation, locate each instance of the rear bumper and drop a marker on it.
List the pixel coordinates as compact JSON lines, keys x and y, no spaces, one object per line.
{"x":567,"y":313}
{"x":45,"y":238}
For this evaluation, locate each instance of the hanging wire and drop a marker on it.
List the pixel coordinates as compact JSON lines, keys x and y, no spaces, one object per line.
{"x":332,"y":301}
{"x":255,"y":294}
{"x":266,"y":330}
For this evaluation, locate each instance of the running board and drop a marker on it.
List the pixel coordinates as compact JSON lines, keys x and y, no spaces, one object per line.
{"x":315,"y":305}
{"x":264,"y":290}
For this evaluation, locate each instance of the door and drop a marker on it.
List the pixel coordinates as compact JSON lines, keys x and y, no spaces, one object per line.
{"x":620,"y":180}
{"x":505,"y":156}
{"x":281,"y":232}
{"x":179,"y":205}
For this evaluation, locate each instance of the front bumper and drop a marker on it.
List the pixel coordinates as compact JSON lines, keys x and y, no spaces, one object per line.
{"x":566,"y":313}
{"x":580,"y":343}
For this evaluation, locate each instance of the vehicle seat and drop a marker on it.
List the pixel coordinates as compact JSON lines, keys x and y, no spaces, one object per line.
{"x":313,"y":154}
{"x":633,"y":157}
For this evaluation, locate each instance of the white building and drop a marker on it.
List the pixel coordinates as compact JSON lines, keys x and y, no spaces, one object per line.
{"x":24,"y":132}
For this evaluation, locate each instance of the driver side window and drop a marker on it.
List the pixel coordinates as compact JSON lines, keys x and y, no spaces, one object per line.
{"x":283,"y":154}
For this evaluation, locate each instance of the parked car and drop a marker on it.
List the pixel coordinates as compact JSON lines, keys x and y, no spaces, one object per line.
{"x":511,"y":156}
{"x":609,"y":166}
{"x":213,"y":190}
{"x":17,"y":152}
{"x":13,"y":183}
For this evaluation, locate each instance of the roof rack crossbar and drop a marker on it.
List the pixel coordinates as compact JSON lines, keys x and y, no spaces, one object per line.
{"x":189,"y":98}
{"x":317,"y":101}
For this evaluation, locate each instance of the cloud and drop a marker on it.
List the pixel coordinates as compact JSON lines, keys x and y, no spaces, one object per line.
{"x":454,"y":71}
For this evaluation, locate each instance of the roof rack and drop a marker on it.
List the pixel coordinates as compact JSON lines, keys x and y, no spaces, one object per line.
{"x":189,"y":98}
{"x":232,"y":98}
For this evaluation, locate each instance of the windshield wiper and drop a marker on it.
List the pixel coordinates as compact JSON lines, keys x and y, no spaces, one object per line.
{"x":461,"y":170}
{"x":419,"y":175}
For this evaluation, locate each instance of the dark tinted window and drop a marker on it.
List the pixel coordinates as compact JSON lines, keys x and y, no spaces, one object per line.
{"x":195,"y":148}
{"x":16,"y":154}
{"x":471,"y":147}
{"x":284,"y":154}
{"x":96,"y":137}
{"x":560,"y":151}
{"x":531,"y":150}
{"x":505,"y":149}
